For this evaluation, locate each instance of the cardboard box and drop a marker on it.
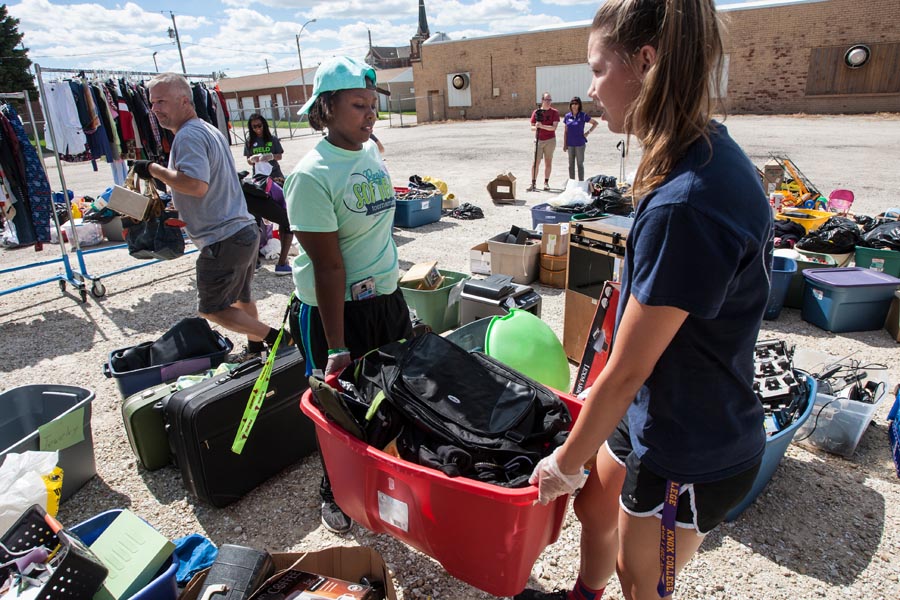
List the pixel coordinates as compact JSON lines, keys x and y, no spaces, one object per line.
{"x":503,"y":188}
{"x":892,"y":323}
{"x":343,"y":562}
{"x":773,"y":177}
{"x":422,"y":276}
{"x":555,"y":239}
{"x":480,"y":259}
{"x":598,"y":343}
{"x":521,"y":261}
{"x":553,"y":270}
{"x":310,"y":586}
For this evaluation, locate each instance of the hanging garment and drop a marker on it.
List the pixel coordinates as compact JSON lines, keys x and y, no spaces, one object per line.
{"x":59,"y":107}
{"x":223,"y":113}
{"x":200,"y":96}
{"x":37,"y":185}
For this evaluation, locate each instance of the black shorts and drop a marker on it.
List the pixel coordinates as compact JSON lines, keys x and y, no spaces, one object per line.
{"x":225,"y":270}
{"x":368,"y":324}
{"x":701,"y":506}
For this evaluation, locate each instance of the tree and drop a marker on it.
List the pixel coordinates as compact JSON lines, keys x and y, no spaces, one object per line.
{"x":14,"y":61}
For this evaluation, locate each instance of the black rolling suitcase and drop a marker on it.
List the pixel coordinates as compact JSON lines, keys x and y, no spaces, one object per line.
{"x":202,"y":420}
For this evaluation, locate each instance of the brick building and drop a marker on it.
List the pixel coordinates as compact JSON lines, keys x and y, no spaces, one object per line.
{"x":782,"y":56}
{"x":269,"y":93}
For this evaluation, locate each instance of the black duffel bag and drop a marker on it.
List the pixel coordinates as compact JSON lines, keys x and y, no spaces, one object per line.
{"x":463,"y":413}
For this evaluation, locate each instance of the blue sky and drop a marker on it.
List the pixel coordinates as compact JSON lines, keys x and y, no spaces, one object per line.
{"x":240,"y":36}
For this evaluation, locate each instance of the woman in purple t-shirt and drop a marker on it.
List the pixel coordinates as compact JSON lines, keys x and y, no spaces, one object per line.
{"x":575,"y":137}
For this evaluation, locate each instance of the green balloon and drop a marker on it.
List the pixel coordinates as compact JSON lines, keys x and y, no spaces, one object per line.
{"x":524,"y":342}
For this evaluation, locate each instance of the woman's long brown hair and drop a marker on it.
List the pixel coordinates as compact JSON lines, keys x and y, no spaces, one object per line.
{"x":675,"y":103}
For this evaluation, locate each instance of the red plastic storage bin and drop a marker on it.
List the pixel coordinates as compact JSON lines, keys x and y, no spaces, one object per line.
{"x":485,"y":535}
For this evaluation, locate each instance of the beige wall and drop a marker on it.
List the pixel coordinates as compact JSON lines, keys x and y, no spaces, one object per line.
{"x":769,"y":51}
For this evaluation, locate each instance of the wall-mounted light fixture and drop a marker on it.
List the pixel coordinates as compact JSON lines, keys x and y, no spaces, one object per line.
{"x":857,"y":56}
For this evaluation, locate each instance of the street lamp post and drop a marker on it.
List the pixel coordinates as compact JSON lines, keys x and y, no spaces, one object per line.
{"x":173,"y":33}
{"x":300,"y":57}
{"x":154,"y":61}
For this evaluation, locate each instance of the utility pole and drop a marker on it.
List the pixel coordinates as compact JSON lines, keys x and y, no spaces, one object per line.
{"x":173,"y":33}
{"x":267,"y":66}
{"x":300,"y":57}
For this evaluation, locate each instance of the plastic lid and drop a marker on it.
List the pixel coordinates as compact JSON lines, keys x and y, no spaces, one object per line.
{"x":527,"y":344}
{"x":851,"y":277}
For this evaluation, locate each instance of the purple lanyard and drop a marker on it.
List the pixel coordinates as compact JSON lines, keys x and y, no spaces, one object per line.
{"x":666,"y":585}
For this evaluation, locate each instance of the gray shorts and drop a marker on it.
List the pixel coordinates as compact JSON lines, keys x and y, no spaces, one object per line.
{"x":225,"y":270}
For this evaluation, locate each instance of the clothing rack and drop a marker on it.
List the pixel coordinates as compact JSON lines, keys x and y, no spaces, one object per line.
{"x":72,"y":277}
{"x":80,"y":278}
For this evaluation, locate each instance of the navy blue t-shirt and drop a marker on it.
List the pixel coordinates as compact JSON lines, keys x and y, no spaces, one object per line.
{"x":701,"y":242}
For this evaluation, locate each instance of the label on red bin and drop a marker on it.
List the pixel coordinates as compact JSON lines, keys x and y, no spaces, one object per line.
{"x":393,"y":512}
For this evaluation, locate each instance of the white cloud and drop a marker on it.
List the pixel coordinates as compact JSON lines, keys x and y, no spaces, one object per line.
{"x":352,"y":9}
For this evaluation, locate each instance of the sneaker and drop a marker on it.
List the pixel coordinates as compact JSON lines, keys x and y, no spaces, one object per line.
{"x":334,"y":519}
{"x":541,"y":595}
{"x":546,"y":187}
{"x":258,"y":265}
{"x":283,"y":270}
{"x":243,"y":356}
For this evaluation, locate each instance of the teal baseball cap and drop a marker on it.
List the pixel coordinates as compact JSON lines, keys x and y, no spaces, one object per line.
{"x":341,"y":73}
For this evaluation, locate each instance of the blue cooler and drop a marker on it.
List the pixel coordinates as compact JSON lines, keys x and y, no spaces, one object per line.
{"x":847,"y":299}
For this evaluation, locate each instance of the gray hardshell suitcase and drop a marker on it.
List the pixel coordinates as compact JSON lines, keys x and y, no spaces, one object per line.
{"x":142,"y":413}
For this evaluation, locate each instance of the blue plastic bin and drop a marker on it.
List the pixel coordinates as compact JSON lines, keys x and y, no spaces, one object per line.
{"x":163,"y":586}
{"x":418,"y":211}
{"x":847,"y":299}
{"x":132,"y":382}
{"x":776,"y":446}
{"x":783,"y":270}
{"x":542,"y":213}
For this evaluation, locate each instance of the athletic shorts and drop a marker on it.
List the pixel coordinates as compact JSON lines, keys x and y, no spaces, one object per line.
{"x":545,"y":148}
{"x":225,"y":270}
{"x":701,"y":506}
{"x":368,"y":324}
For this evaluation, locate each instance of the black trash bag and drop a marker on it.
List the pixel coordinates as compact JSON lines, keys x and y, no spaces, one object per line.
{"x":467,"y":212}
{"x":611,"y":201}
{"x":599,"y":182}
{"x":839,"y":235}
{"x":885,"y":236}
{"x":787,"y":233}
{"x":865,"y":222}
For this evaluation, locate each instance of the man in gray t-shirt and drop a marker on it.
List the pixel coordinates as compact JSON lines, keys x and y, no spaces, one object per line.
{"x":204,"y":184}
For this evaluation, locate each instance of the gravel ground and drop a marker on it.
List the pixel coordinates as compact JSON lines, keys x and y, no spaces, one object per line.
{"x":820,"y":530}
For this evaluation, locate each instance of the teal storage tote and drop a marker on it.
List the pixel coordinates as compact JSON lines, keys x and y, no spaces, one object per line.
{"x":162,"y":587}
{"x":783,"y":270}
{"x":418,"y":211}
{"x":794,"y":298}
{"x":776,"y":446}
{"x":542,"y":213}
{"x":24,"y":409}
{"x":878,"y":259}
{"x":847,"y":299}
{"x":438,"y":308}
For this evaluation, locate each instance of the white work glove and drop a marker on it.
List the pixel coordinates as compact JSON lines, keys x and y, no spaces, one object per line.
{"x":553,"y":483}
{"x":337,"y":363}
